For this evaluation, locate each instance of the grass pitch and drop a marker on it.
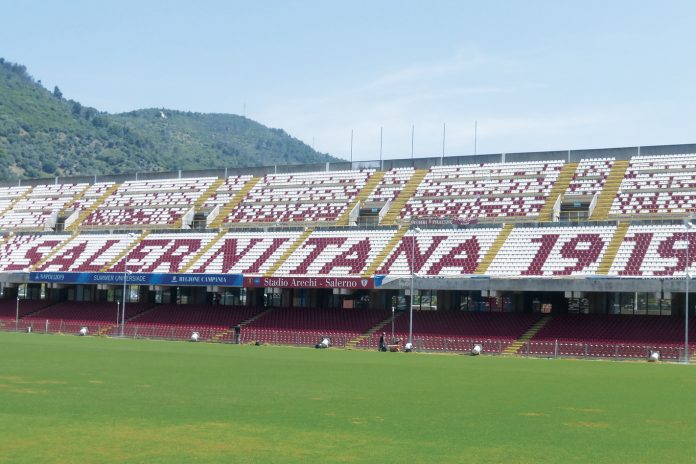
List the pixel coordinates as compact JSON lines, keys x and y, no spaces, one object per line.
{"x":70,"y":399}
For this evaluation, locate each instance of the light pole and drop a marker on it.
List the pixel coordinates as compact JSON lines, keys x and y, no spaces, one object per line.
{"x":686,"y":295}
{"x":17,"y":313}
{"x":125,"y":278}
{"x":393,"y":309}
{"x":413,"y":274}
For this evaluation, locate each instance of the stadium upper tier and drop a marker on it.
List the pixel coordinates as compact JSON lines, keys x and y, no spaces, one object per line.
{"x":520,"y":252}
{"x":601,"y":188}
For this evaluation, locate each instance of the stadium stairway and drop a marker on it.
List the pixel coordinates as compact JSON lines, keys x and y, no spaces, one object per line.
{"x":223,"y":333}
{"x":84,"y":214}
{"x":36,"y":312}
{"x":354,"y":342}
{"x":78,"y":196}
{"x":494,"y":249}
{"x":609,"y":191}
{"x":234,"y":202}
{"x":122,"y":254}
{"x":379,"y":259}
{"x":558,"y":189}
{"x":5,"y":238}
{"x":613,"y":248}
{"x":198,"y":204}
{"x":279,"y":262}
{"x":203,"y":251}
{"x":17,"y":200}
{"x":362,"y":195}
{"x":53,"y":252}
{"x":404,"y":195}
{"x":108,"y":328}
{"x":519,"y":343}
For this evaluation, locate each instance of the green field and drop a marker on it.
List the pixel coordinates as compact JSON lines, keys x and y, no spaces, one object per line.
{"x":69,"y":399}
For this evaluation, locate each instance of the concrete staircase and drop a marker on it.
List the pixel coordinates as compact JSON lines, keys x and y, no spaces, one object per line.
{"x":379,"y":259}
{"x":533,"y":330}
{"x":209,"y":192}
{"x":203,"y":251}
{"x":612,"y":248}
{"x":354,"y":342}
{"x":53,"y":252}
{"x":300,"y":240}
{"x":72,"y":201}
{"x":362,"y":195}
{"x":16,"y":200}
{"x":122,"y":254}
{"x":105,"y":330}
{"x":234,"y":202}
{"x":84,"y":214}
{"x":402,"y":198}
{"x":494,"y":249}
{"x":558,"y":189}
{"x":220,"y":335}
{"x":608,"y":193}
{"x":198,"y":204}
{"x":217,"y":337}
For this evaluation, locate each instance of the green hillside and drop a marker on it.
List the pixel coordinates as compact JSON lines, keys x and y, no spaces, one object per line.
{"x":43,"y":134}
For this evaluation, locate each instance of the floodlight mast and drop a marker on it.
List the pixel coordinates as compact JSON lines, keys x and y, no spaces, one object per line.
{"x":125,"y":278}
{"x":686,"y":294}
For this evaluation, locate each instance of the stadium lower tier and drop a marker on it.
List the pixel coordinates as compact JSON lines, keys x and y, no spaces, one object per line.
{"x":528,"y":334}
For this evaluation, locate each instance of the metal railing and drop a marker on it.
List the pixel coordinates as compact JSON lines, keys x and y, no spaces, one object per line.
{"x":342,"y":340}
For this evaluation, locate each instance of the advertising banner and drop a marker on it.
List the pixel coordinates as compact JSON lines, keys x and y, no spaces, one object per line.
{"x":116,"y":278}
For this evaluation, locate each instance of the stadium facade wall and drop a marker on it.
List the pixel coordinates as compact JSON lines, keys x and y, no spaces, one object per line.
{"x":620,"y":153}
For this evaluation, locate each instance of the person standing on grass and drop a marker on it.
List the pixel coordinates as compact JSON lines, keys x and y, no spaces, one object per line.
{"x":381,"y":343}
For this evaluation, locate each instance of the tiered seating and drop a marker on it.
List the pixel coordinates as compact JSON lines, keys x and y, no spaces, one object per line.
{"x":336,"y":253}
{"x":21,"y":252}
{"x":391,"y":184}
{"x":8,"y":307}
{"x":226,"y":191}
{"x":305,"y":326}
{"x":10,"y":194}
{"x":303,"y":197}
{"x":91,"y":195}
{"x":86,"y":311}
{"x":446,"y":252}
{"x":552,"y":251}
{"x":179,"y":321}
{"x":664,"y":185}
{"x":590,"y":177}
{"x":244,"y":253}
{"x":70,"y":316}
{"x":148,"y":203}
{"x":164,"y":252}
{"x":484,"y":191}
{"x":88,"y":253}
{"x":459,"y":330}
{"x":654,"y":251}
{"x":609,"y":336}
{"x":35,"y":210}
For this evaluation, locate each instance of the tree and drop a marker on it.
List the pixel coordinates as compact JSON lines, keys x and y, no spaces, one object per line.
{"x":57,"y":93}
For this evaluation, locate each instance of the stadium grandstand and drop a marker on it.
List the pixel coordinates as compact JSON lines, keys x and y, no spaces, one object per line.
{"x":567,"y":253}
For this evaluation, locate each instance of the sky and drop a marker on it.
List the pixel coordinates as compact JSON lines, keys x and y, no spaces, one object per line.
{"x":529,"y":75}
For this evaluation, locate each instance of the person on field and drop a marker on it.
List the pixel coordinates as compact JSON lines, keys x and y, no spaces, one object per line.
{"x":382,"y":346}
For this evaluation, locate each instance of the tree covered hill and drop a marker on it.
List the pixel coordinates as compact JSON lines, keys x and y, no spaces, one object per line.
{"x":42,"y":134}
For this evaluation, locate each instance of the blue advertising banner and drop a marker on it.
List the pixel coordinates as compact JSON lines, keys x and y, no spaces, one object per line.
{"x":116,"y":278}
